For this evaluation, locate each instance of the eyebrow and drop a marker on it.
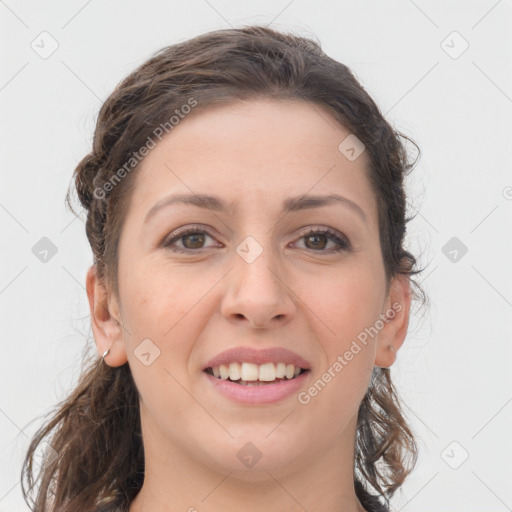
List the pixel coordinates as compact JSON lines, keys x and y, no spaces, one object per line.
{"x":291,"y":204}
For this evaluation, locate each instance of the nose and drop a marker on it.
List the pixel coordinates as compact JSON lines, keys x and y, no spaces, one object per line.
{"x":257,"y":293}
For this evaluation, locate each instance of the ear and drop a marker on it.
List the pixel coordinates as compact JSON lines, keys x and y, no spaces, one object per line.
{"x":107,"y":330}
{"x":397,"y":310}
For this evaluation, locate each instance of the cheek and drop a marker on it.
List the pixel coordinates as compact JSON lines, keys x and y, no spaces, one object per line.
{"x":151,"y":313}
{"x":346,"y":302}
{"x":345,"y":307}
{"x":163,"y":313}
{"x":158,"y":299}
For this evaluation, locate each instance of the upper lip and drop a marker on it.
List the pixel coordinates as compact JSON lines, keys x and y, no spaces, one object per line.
{"x":258,"y":356}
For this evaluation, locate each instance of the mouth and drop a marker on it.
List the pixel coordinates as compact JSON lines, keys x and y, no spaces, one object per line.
{"x":250,"y":374}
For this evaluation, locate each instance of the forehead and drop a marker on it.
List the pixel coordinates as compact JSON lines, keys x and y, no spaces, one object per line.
{"x":264,"y":148}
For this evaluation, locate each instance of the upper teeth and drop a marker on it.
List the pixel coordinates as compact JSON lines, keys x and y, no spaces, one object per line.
{"x":248,"y":371}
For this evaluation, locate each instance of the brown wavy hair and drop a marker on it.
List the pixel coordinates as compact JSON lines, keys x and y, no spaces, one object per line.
{"x":96,"y":430}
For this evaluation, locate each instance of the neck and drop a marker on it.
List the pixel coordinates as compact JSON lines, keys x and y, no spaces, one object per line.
{"x":175,"y":481}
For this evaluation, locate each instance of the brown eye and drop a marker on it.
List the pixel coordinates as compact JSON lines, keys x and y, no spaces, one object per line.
{"x":190,"y":240}
{"x":318,"y":241}
{"x":195,"y":240}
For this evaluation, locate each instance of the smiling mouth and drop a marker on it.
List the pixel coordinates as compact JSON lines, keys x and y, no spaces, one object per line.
{"x":257,"y":382}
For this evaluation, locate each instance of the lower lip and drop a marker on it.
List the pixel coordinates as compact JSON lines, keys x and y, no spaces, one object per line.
{"x":263,"y":394}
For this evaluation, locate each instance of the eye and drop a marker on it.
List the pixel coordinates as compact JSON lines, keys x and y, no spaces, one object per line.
{"x":191,"y":239}
{"x":318,"y":239}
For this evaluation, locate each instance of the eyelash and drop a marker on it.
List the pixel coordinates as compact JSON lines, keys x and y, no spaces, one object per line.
{"x":343,"y":244}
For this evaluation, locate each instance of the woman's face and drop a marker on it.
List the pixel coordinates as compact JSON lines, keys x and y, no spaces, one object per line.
{"x":252,"y":275}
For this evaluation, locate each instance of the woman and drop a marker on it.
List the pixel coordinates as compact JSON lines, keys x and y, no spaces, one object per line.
{"x":250,"y":290}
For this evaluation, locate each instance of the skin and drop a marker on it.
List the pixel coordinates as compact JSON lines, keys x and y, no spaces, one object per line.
{"x":297,"y":294}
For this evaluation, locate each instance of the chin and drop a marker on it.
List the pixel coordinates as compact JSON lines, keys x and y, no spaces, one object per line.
{"x":249,"y":457}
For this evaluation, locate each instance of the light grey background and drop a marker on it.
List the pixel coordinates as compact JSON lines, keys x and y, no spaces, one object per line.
{"x":454,"y":368}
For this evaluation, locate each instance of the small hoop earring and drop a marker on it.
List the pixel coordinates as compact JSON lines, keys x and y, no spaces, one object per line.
{"x":106,"y":353}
